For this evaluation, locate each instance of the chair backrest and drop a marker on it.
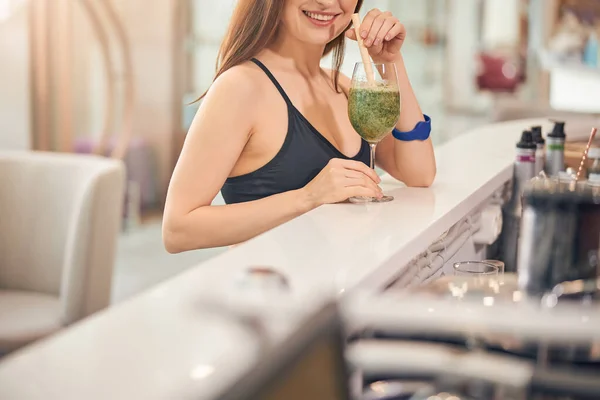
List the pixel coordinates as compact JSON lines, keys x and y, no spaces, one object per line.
{"x":59,"y":220}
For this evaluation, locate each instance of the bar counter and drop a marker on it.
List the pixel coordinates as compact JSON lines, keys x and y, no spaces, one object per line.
{"x":167,"y":343}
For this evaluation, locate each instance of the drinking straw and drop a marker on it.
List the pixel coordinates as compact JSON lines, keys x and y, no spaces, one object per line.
{"x":364,"y":53}
{"x":585,"y":152}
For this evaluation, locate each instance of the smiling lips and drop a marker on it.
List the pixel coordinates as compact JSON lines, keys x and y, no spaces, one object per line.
{"x":320,"y":19}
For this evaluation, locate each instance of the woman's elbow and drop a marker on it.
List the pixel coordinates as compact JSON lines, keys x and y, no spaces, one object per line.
{"x":174,"y":236}
{"x":171,"y":240}
{"x":178,"y":237}
{"x":422,"y":180}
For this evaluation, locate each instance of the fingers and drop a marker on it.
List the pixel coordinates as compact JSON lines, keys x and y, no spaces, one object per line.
{"x":378,"y":27}
{"x":367,"y":25}
{"x":361,"y":167}
{"x":396,"y":31}
{"x":355,"y":178}
{"x":351,"y":34}
{"x":384,"y":32}
{"x":352,"y":174}
{"x":367,"y":184}
{"x":374,"y":32}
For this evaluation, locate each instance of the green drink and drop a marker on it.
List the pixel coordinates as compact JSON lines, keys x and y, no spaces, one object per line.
{"x":374,"y":111}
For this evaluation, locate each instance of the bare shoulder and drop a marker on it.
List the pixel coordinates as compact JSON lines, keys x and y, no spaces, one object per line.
{"x":241,"y":82}
{"x":231,"y":105}
{"x":344,"y":81}
{"x":235,"y":97}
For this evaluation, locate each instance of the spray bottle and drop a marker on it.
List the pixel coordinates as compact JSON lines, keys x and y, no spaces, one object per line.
{"x":524,"y":170}
{"x":555,"y":149}
{"x":536,"y":132}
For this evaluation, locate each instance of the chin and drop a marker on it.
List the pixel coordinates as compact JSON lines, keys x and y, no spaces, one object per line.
{"x":317,"y":40}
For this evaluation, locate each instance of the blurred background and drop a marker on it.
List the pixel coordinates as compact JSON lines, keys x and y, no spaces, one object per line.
{"x":116,"y":77}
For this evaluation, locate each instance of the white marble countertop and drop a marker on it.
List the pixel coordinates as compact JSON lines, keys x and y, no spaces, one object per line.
{"x":339,"y":247}
{"x":146,"y":347}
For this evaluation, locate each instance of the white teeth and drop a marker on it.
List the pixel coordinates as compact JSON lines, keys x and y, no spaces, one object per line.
{"x":319,"y":17}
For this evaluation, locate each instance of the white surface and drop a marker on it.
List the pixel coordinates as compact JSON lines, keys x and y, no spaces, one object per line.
{"x":134,"y":354}
{"x":146,"y":348}
{"x":158,"y":346}
{"x":574,"y":86}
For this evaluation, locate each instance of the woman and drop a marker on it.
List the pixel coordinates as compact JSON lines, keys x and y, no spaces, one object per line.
{"x":273,"y":131}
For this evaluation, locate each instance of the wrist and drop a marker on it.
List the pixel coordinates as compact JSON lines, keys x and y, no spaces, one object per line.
{"x":305,"y":200}
{"x":420,"y":131}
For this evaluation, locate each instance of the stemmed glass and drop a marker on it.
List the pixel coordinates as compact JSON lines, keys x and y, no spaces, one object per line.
{"x":374,"y":109}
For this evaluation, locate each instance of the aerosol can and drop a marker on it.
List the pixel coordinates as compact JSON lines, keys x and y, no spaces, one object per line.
{"x":524,"y":170}
{"x":555,"y":150}
{"x":540,"y":155}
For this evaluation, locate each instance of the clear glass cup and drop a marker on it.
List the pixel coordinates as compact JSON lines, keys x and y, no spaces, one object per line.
{"x":475,"y":269}
{"x":500,"y":266}
{"x":474,"y":279}
{"x":374,"y":108}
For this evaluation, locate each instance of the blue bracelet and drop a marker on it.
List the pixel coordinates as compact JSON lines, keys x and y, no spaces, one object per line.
{"x":421,"y":131}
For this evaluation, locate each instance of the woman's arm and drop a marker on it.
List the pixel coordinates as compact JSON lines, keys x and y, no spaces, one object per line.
{"x":216,"y":226}
{"x":218,"y":135}
{"x":410,"y":162}
{"x":212,"y":147}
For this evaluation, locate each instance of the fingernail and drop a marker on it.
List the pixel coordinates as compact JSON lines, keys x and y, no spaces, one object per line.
{"x":377,"y":42}
{"x":368,"y":42}
{"x":388,"y":37}
{"x":364,"y":34}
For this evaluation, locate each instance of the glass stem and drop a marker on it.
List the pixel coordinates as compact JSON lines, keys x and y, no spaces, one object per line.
{"x":373,"y":146}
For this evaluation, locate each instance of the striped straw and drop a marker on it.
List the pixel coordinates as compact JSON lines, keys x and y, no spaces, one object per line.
{"x":585,"y":153}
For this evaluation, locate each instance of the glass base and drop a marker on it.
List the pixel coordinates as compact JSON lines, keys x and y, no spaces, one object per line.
{"x":364,"y":200}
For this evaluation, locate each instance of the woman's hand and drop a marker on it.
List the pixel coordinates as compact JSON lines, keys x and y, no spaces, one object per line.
{"x":383,"y":35}
{"x":340,"y":180}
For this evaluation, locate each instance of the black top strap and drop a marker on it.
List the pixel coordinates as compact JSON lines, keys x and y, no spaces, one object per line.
{"x":272,"y":78}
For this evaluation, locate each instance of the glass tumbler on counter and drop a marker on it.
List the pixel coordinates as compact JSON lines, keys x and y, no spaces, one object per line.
{"x":500,"y":266}
{"x":474,"y":279}
{"x":475,"y":269}
{"x":374,"y":109}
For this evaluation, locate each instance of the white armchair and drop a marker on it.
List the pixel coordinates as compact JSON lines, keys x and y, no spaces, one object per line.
{"x":60,"y":215}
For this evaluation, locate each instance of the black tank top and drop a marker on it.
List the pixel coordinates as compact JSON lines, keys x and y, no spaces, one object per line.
{"x":304,"y":153}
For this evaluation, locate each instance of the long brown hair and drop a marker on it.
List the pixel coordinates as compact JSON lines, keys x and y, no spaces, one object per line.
{"x":253,"y":26}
